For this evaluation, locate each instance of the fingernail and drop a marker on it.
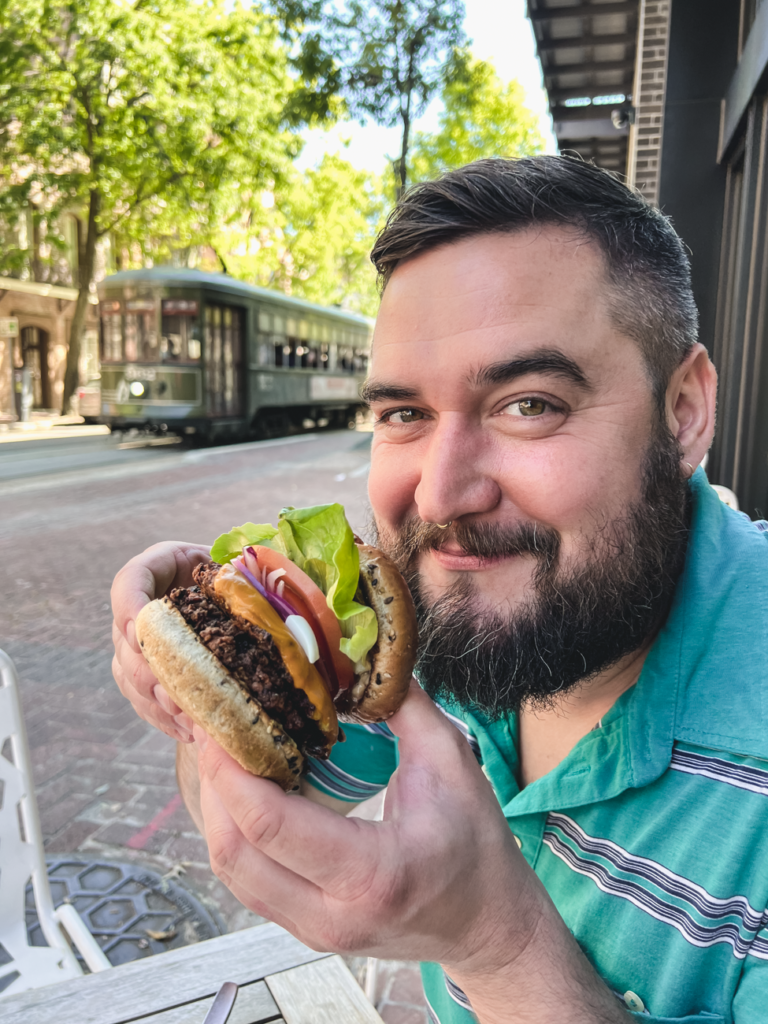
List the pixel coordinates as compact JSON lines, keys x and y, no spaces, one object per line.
{"x":185,"y":737}
{"x":162,"y":698}
{"x":130,"y":634}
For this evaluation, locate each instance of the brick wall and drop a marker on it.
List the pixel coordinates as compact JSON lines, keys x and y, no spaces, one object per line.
{"x":650,"y":84}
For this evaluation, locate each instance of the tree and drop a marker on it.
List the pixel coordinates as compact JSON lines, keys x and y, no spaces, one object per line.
{"x":135,"y":112}
{"x":312,"y":238}
{"x":386,"y":58}
{"x":481,"y":117}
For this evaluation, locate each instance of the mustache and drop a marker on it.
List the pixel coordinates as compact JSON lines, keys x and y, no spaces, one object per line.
{"x":481,"y":539}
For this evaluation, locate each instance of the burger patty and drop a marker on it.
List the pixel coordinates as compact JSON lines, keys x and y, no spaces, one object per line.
{"x":252,"y":657}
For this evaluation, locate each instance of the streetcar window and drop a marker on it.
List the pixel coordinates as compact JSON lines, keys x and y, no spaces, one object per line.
{"x":180,"y":334}
{"x":180,"y":341}
{"x":112,"y":336}
{"x":265,"y":325}
{"x":223,"y":359}
{"x":304,"y":329}
{"x":361,"y":360}
{"x":265,"y":350}
{"x":141,"y":342}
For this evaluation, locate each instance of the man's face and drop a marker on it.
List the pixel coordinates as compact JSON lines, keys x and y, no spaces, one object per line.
{"x":506,"y":401}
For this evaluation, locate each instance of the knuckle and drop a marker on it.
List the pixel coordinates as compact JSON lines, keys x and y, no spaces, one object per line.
{"x":222,"y":849}
{"x":342,"y":936}
{"x":261,"y":824}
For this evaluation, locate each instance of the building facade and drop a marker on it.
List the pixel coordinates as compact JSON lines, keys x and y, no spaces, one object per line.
{"x":37,"y":303}
{"x":673,"y":94}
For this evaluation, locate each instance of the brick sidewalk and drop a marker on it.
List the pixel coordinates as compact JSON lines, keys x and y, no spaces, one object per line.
{"x":105,"y":780}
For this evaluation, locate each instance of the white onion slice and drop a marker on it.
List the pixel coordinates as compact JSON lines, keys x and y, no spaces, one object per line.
{"x":250,"y":562}
{"x":302,"y":632}
{"x":280,"y":590}
{"x":274,"y":576}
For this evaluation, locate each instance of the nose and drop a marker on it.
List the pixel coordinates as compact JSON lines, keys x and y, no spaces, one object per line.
{"x":456,"y":479}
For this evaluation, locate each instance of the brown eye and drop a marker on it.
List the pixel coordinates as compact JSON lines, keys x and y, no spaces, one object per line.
{"x":527,"y":407}
{"x":404,"y":416}
{"x":532,"y":407}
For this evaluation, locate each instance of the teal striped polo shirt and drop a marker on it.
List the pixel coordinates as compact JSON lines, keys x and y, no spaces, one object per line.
{"x":651,"y":836}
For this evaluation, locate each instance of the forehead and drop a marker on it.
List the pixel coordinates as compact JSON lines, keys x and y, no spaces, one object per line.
{"x":491,"y":296}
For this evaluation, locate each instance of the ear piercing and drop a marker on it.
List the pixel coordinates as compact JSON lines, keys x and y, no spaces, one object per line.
{"x":691,"y":469}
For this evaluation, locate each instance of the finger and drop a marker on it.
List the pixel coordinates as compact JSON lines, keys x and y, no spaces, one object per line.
{"x":149,"y":710}
{"x":235,"y":861}
{"x":136,"y":670}
{"x":164,"y":700}
{"x":337,"y":854}
{"x":149,"y":575}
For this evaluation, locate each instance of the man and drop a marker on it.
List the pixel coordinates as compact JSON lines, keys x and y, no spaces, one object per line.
{"x":594,"y":620}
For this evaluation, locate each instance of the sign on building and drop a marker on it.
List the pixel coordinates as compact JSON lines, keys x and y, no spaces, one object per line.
{"x":9,"y":327}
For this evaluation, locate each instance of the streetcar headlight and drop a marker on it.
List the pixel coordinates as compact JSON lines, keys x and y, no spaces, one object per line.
{"x":136,"y":388}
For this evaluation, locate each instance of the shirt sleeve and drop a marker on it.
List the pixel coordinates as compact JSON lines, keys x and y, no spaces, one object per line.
{"x":358,"y":768}
{"x":751,"y":997}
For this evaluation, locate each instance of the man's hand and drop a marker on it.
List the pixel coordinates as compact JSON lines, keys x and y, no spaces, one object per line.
{"x":149,"y":575}
{"x":440,"y":878}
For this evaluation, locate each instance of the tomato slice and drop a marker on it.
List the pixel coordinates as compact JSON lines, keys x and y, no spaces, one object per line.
{"x":309,"y":601}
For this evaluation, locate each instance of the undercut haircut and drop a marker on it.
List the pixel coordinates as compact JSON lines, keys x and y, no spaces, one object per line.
{"x":648,"y":273}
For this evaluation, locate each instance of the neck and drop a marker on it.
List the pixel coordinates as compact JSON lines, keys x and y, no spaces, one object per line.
{"x":547,"y":735}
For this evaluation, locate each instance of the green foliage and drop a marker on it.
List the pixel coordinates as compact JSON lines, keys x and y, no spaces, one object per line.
{"x":481,"y":117}
{"x":151,"y":105}
{"x":386,"y":58}
{"x":315,"y":240}
{"x":138,"y":113}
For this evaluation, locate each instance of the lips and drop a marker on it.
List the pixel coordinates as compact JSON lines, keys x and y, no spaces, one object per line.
{"x":456,"y":560}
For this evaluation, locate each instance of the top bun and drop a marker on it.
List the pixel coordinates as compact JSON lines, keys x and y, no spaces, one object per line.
{"x":376,"y":695}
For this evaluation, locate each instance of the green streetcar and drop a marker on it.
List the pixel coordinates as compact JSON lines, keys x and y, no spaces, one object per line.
{"x":204,"y":354}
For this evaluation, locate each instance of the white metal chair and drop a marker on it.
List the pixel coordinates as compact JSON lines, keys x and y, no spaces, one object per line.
{"x":21,"y":857}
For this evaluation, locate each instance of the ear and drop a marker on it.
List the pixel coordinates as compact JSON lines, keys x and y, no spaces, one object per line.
{"x":691,"y":400}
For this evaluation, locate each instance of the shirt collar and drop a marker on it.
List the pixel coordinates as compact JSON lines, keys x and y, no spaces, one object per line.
{"x":711,"y":646}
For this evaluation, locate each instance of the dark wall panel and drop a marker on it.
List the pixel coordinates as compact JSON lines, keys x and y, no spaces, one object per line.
{"x":702,"y":57}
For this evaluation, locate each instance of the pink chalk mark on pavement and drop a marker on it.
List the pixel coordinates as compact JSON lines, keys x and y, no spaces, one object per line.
{"x":142,"y":837}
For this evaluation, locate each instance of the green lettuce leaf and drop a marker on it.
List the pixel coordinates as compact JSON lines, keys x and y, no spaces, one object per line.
{"x":230,"y":545}
{"x":320,"y":541}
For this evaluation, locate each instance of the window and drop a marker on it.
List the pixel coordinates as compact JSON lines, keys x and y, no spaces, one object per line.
{"x":141,"y":341}
{"x":223,"y":359}
{"x":111,"y":332}
{"x":180,"y":335}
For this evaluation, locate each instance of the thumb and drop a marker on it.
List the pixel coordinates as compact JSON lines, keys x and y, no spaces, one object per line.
{"x":421,"y":725}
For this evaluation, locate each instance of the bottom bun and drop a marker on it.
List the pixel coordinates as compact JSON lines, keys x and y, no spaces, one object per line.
{"x":203,"y":688}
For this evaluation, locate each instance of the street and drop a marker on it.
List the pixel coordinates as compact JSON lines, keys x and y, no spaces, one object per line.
{"x":72,"y":512}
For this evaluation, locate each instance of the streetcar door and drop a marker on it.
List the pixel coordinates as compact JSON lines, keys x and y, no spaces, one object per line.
{"x":224,"y":329}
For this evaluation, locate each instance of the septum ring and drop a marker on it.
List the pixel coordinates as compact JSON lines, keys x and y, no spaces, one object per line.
{"x":443,"y":526}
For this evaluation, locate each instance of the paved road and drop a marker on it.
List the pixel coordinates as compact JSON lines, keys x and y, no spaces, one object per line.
{"x":69,"y":518}
{"x":73,"y":511}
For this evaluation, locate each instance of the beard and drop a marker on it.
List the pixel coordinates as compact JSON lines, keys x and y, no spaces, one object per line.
{"x":576,"y":621}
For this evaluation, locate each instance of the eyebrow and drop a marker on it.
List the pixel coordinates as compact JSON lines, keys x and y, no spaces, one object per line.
{"x":382,"y":391}
{"x":546,"y":361}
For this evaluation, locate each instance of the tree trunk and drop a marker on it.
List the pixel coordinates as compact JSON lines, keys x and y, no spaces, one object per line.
{"x":72,"y":372}
{"x":403,"y":165}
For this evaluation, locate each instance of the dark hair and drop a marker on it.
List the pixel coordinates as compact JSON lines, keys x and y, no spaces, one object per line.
{"x":648,"y":271}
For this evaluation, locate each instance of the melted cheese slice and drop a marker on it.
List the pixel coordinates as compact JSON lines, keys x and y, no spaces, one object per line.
{"x":240,"y":598}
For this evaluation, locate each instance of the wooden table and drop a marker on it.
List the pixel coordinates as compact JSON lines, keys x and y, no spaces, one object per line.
{"x":280,"y":979}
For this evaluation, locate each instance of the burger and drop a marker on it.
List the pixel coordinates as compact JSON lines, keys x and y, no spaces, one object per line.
{"x":285,"y":630}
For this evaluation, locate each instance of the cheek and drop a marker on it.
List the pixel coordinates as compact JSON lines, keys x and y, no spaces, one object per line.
{"x":392,"y":482}
{"x":569,"y":485}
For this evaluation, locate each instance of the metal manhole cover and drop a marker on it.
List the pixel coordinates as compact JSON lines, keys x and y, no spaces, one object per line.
{"x":131,"y":911}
